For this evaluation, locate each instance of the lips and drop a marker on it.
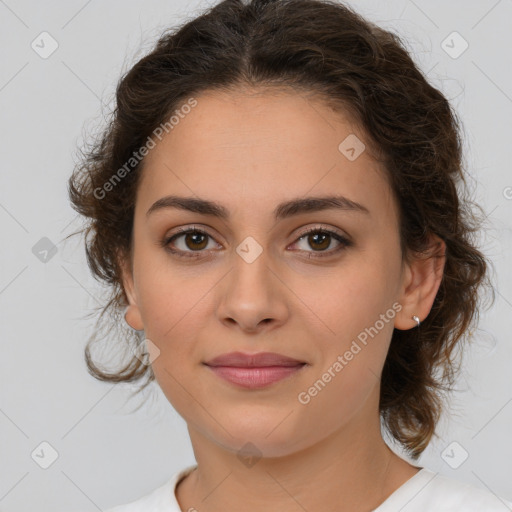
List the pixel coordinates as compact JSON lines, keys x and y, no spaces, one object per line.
{"x":259,"y":360}
{"x":254,"y":371}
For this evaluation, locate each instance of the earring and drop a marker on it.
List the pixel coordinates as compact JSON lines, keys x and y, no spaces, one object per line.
{"x":416,"y":319}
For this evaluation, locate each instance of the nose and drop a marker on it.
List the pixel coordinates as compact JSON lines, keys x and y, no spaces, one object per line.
{"x":253,"y":297}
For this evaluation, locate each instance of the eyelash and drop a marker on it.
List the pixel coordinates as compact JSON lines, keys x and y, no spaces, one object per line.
{"x":344,"y":242}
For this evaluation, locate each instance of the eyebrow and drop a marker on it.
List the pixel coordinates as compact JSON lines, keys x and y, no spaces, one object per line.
{"x":282,"y":211}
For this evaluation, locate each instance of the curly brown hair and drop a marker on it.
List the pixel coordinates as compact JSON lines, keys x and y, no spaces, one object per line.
{"x":325,"y":48}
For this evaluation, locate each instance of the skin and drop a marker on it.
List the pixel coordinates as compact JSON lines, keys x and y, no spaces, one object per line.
{"x":249,"y":151}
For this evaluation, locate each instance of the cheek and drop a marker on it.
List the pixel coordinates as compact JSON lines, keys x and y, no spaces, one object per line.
{"x":347,"y":299}
{"x":178,"y":364}
{"x":172,"y":320}
{"x":170,"y":295}
{"x":349,"y":374}
{"x":355,"y":313}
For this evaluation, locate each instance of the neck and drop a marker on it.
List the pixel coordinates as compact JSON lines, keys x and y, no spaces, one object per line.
{"x":350,"y":470}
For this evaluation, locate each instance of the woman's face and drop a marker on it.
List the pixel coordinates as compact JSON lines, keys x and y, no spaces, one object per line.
{"x":257,"y":282}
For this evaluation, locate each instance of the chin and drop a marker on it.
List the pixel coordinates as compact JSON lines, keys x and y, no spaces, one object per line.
{"x":268,"y":437}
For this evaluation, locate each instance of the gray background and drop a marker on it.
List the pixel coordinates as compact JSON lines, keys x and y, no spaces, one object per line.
{"x":108,"y":455}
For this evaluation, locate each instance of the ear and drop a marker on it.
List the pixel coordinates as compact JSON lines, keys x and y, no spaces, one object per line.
{"x":132,"y":315}
{"x":421,"y":280}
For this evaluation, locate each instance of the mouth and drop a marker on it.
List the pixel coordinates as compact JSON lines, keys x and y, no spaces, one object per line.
{"x":252,"y":377}
{"x":257,"y":360}
{"x":253,"y":371}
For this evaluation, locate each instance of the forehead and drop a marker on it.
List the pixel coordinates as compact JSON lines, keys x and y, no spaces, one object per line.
{"x":274,"y":119}
{"x":264,"y":146}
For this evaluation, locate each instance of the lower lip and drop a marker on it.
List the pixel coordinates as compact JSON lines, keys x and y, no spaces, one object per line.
{"x":253,"y":378}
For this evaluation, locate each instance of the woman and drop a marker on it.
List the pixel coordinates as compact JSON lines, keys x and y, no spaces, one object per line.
{"x":275,"y":208}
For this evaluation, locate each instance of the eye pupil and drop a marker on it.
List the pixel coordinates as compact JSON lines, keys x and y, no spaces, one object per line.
{"x":193,"y":237}
{"x":322,"y":244}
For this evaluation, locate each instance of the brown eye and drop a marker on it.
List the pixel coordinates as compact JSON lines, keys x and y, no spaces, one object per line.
{"x":195,"y":241}
{"x":320,"y":240}
{"x":187,"y":242}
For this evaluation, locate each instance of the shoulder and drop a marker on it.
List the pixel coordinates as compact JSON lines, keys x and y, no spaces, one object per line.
{"x":154,"y":501}
{"x":161,"y":499}
{"x":440,"y":493}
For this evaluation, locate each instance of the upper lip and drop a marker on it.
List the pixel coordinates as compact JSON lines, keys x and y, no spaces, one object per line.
{"x":239,"y":359}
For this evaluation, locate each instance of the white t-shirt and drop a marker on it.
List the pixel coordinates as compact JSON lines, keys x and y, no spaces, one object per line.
{"x":426,"y":491}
